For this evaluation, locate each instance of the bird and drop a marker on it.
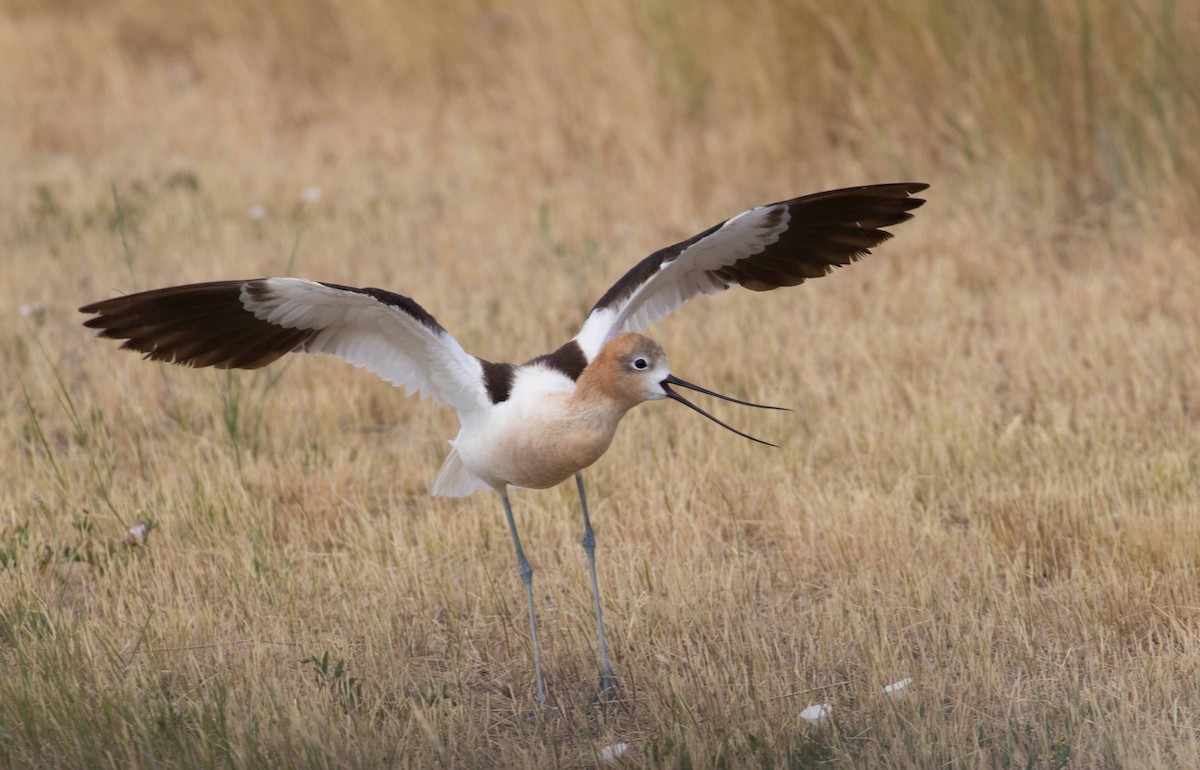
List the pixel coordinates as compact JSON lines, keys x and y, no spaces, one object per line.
{"x":535,"y":424}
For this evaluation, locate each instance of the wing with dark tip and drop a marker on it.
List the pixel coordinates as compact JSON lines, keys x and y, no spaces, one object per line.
{"x":780,"y":244}
{"x":249,"y":324}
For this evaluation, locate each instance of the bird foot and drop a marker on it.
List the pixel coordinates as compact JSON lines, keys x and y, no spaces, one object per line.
{"x":610,"y":687}
{"x":545,"y":711}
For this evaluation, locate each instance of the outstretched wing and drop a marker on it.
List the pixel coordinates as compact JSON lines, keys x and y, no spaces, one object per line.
{"x":781,"y":244}
{"x":249,"y":324}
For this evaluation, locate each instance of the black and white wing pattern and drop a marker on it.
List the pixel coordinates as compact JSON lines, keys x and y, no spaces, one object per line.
{"x":249,"y":324}
{"x":780,"y":244}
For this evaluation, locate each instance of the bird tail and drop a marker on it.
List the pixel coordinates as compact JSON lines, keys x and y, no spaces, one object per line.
{"x":454,"y":480}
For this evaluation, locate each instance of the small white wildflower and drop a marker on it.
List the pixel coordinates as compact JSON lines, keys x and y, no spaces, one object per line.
{"x":32,"y":309}
{"x":817,"y":713}
{"x":258,"y":212}
{"x":137,"y":533}
{"x":894,"y":688}
{"x":310,"y":195}
{"x":610,"y":754}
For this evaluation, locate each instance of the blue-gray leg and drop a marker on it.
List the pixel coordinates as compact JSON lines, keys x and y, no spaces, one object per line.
{"x":527,"y":579}
{"x":610,"y":687}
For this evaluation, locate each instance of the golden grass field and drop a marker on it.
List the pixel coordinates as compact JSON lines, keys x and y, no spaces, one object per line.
{"x":989,"y":483}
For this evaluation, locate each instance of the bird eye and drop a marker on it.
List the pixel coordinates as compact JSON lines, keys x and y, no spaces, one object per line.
{"x":640,"y":363}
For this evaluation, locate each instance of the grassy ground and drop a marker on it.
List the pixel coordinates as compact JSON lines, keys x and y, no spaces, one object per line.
{"x":989,"y":484}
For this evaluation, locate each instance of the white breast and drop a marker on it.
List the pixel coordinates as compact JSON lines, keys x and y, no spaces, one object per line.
{"x":537,"y":437}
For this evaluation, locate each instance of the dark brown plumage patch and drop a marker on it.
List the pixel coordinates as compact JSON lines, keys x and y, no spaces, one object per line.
{"x":498,"y":380}
{"x":398,"y":301}
{"x":568,"y":359}
{"x":644,"y":270}
{"x":202,"y":324}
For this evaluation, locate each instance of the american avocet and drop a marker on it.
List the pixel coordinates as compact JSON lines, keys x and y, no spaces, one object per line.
{"x":535,"y":424}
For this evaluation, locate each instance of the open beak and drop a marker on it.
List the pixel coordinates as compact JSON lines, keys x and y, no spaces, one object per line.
{"x":671,"y":394}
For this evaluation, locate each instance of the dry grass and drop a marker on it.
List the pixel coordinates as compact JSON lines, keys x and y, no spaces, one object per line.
{"x":989,"y":485}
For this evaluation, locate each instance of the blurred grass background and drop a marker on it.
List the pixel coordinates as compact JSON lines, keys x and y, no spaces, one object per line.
{"x":989,"y":484}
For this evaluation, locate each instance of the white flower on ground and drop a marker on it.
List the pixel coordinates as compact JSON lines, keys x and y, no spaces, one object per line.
{"x":137,"y":533}
{"x":610,"y":754}
{"x":258,"y":212}
{"x":32,"y":309}
{"x":817,"y":713}
{"x":894,"y":688}
{"x":310,"y":195}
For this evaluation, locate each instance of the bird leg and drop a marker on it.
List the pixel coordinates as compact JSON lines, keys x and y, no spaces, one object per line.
{"x":610,"y":686}
{"x":527,"y":578}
